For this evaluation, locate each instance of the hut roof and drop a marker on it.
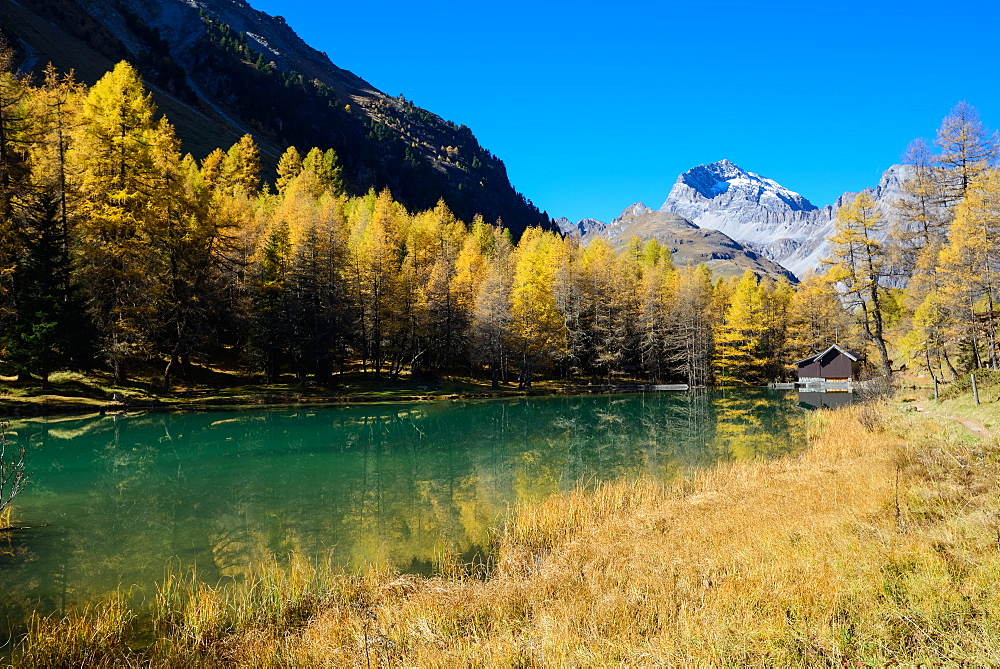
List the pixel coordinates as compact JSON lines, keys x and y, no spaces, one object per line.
{"x":819,"y":356}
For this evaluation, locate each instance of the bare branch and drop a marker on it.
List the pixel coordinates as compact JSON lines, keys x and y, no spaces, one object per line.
{"x":13,"y":477}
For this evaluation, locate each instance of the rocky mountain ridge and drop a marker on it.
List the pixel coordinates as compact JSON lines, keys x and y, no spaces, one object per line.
{"x":761,"y":215}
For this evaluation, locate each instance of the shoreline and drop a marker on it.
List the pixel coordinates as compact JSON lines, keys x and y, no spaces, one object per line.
{"x":36,"y":408}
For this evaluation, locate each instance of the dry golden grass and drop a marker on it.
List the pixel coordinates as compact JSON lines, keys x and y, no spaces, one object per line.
{"x":881,"y":542}
{"x":95,"y":637}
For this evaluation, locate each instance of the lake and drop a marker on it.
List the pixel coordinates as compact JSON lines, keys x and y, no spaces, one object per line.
{"x":128,"y":496}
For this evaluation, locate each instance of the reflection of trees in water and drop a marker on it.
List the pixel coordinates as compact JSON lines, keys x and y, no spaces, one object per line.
{"x":757,"y":423}
{"x":23,"y":575}
{"x":371,"y":483}
{"x":615,"y":436}
{"x":101,"y":535}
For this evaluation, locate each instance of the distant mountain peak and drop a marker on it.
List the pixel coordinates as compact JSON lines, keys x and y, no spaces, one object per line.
{"x":636,"y":209}
{"x":580,"y":228}
{"x":756,"y":216}
{"x":724,"y":170}
{"x":726,"y":178}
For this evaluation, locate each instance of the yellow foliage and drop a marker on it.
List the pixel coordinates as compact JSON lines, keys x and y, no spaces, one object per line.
{"x":537,"y":327}
{"x":739,"y":358}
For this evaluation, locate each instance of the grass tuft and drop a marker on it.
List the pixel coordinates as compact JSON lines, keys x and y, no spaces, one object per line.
{"x":95,"y":637}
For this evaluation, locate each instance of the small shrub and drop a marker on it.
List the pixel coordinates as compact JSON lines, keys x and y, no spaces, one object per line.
{"x":874,"y":387}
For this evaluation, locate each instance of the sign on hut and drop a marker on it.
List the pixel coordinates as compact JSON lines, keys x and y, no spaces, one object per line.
{"x":835,"y":365}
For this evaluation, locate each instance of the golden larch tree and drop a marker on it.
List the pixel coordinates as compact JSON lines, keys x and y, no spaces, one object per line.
{"x":857,"y":269}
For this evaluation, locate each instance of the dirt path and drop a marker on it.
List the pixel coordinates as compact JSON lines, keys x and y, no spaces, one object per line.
{"x":972,"y":426}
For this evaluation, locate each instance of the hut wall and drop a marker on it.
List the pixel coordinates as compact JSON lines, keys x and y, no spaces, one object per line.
{"x":811,"y":370}
{"x":836,"y":365}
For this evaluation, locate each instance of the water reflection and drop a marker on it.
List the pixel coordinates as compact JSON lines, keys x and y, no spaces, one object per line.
{"x":824,"y":400}
{"x":380,"y":483}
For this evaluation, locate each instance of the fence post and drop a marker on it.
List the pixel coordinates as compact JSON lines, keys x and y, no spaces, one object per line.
{"x":975,"y":391}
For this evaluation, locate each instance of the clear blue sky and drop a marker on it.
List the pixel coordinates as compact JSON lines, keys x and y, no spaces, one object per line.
{"x":595,"y":105}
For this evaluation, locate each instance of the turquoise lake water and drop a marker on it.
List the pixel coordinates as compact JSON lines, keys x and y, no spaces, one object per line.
{"x":126,"y":497}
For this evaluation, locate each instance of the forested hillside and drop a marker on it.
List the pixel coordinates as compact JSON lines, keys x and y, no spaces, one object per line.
{"x":219,"y":81}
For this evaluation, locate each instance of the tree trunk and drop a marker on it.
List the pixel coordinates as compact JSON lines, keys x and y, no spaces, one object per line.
{"x":167,"y":373}
{"x":877,"y":336}
{"x":524,"y":378}
{"x":947,"y":360}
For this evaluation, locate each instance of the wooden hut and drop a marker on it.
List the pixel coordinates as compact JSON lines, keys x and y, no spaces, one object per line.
{"x":834,"y":365}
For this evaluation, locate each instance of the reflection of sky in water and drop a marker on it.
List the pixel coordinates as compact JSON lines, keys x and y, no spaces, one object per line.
{"x":126,"y":496}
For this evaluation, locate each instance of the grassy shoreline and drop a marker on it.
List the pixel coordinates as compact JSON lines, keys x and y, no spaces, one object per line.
{"x":74,"y":393}
{"x":880,"y":543}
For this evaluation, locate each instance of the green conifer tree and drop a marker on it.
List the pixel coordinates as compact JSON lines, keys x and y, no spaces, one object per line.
{"x":47,"y":330}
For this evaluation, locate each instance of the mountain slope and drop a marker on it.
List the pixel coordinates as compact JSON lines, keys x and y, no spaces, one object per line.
{"x":688,"y":243}
{"x":220,"y":68}
{"x":764,"y":215}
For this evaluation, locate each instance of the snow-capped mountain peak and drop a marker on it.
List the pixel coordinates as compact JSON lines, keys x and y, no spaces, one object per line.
{"x":728,"y":182}
{"x":757,"y":212}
